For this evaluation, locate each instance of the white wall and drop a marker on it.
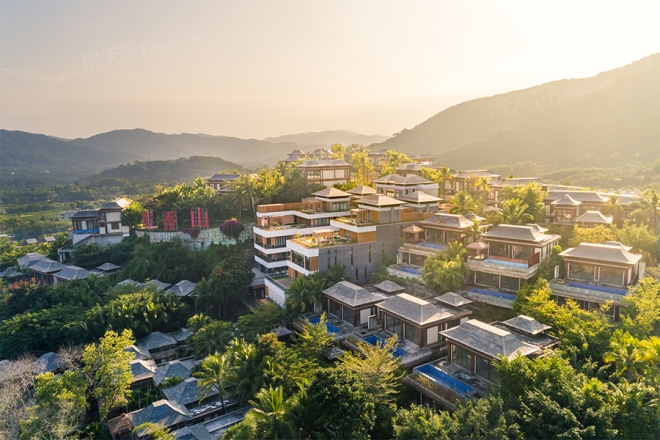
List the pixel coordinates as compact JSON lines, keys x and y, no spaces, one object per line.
{"x":432,"y":335}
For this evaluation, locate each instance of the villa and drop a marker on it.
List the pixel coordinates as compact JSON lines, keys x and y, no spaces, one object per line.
{"x":221,"y":183}
{"x":325,"y":172}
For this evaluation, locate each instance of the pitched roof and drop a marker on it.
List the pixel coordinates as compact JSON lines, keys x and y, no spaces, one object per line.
{"x":155,"y":340}
{"x":182,"y":369}
{"x":594,"y":217}
{"x":475,"y":173}
{"x":129,"y":282}
{"x":489,"y":339}
{"x":10,"y":272}
{"x":331,"y":192}
{"x":412,"y":229}
{"x":29,"y":260}
{"x":73,"y":273}
{"x":163,"y":412}
{"x":566,"y":200}
{"x":362,"y":190}
{"x":294,"y":152}
{"x":403,"y":180}
{"x":611,"y":252}
{"x":183,"y":288}
{"x":324,"y":163}
{"x":379,"y":200}
{"x":139,"y":354}
{"x":158,"y":284}
{"x":182,"y":334}
{"x":414,"y":309}
{"x":194,"y":432}
{"x":453,"y":299}
{"x":47,"y":266}
{"x":410,"y":167}
{"x":388,"y":286}
{"x":106,"y":267}
{"x":88,"y":213}
{"x":352,"y":295}
{"x":224,"y":177}
{"x":117,"y":204}
{"x":419,"y":197}
{"x":186,"y":392}
{"x":518,"y":232}
{"x":580,"y":196}
{"x":450,"y":220}
{"x":142,"y":369}
{"x":526,"y":324}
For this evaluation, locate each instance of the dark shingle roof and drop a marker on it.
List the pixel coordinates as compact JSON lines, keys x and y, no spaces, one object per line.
{"x":142,"y":369}
{"x":566,"y":200}
{"x":155,"y":340}
{"x":158,"y":284}
{"x":163,"y":412}
{"x":90,"y":213}
{"x":362,"y":190}
{"x":181,"y":335}
{"x":526,"y":324}
{"x":352,"y":295}
{"x":73,"y":273}
{"x":419,"y":197}
{"x":29,"y":260}
{"x":116,"y":204}
{"x":489,"y":339}
{"x":379,"y":200}
{"x":194,"y":432}
{"x":106,"y":267}
{"x":47,"y":266}
{"x":139,"y":354}
{"x":186,"y":392}
{"x":331,"y":192}
{"x":611,"y":252}
{"x":182,"y":369}
{"x":415,"y":309}
{"x":182,"y":288}
{"x":519,"y":232}
{"x":453,"y":299}
{"x":450,"y":220}
{"x":388,"y":286}
{"x":595,"y":217}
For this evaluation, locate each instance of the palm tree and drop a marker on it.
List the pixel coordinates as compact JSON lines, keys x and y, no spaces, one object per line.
{"x":337,"y":273}
{"x":444,"y":173}
{"x":651,"y":350}
{"x":304,"y":416}
{"x":204,"y":298}
{"x":143,"y":260}
{"x":246,"y":367}
{"x":215,"y":374}
{"x":462,"y":203}
{"x":154,"y":431}
{"x":613,"y":207}
{"x":299,"y":295}
{"x":514,"y":212}
{"x":625,"y":352}
{"x":649,"y":202}
{"x":171,"y":381}
{"x":483,"y":183}
{"x":474,"y":233}
{"x":455,"y":249}
{"x":270,"y":411}
{"x":197,"y":321}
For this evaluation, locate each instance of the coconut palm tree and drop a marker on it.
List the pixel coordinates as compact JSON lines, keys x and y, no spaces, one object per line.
{"x":444,"y":174}
{"x":483,"y":183}
{"x":613,"y":207}
{"x":270,"y":410}
{"x":247,"y":368}
{"x":197,"y":321}
{"x":170,"y":381}
{"x":215,"y":374}
{"x":625,"y":352}
{"x":455,"y":249}
{"x":651,"y":350}
{"x":462,"y":203}
{"x":474,"y":233}
{"x":649,"y":202}
{"x":300,"y":295}
{"x":204,"y":295}
{"x":514,"y":212}
{"x":337,"y":273}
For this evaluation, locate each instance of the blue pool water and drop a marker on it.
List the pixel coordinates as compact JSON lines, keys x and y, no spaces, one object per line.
{"x":409,"y":270}
{"x":445,"y":379}
{"x":505,"y":263}
{"x":374,"y":340}
{"x":599,"y":288}
{"x":431,"y":245}
{"x":493,"y":293}
{"x":331,"y":328}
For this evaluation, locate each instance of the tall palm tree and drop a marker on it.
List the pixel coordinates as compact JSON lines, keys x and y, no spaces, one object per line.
{"x":337,"y":273}
{"x":625,"y":352}
{"x":247,"y":368}
{"x":455,"y":249}
{"x":474,"y":233}
{"x":482,"y":183}
{"x":514,"y":212}
{"x":651,"y":350}
{"x":197,"y":321}
{"x":444,"y":173}
{"x":613,"y":207}
{"x":299,"y":295}
{"x":649,"y":202}
{"x":270,"y":411}
{"x":462,"y":203}
{"x":204,"y":298}
{"x":215,"y":374}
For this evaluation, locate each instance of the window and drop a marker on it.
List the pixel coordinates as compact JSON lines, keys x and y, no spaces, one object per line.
{"x":611,"y":276}
{"x":389,"y":192}
{"x":347,"y":315}
{"x":114,"y":225}
{"x":499,"y":249}
{"x":357,"y":273}
{"x":564,"y":215}
{"x":313,"y":175}
{"x":487,"y":279}
{"x":334,"y":308}
{"x":365,"y":272}
{"x":343,"y":206}
{"x":486,"y":369}
{"x":521,"y":252}
{"x":510,"y":283}
{"x":335,"y":256}
{"x":581,"y":272}
{"x":450,"y":235}
{"x":393,"y":325}
{"x":412,"y":333}
{"x":328,"y":258}
{"x":369,"y":254}
{"x":462,"y":357}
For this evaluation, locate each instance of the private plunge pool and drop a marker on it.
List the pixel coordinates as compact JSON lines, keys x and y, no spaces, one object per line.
{"x":444,"y":379}
{"x":375,"y":340}
{"x":331,"y":328}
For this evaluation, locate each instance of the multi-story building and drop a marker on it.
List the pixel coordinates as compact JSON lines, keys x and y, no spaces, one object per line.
{"x":221,"y":183}
{"x":378,"y":156}
{"x":327,"y":172}
{"x":513,"y":255}
{"x":598,"y":273}
{"x":395,"y":185}
{"x":566,"y":207}
{"x":463,"y":180}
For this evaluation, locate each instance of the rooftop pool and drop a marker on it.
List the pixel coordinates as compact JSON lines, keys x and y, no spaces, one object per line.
{"x":331,"y":328}
{"x":443,"y":378}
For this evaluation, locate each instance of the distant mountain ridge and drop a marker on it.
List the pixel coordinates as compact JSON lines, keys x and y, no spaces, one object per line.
{"x":607,"y":120}
{"x":328,"y":138}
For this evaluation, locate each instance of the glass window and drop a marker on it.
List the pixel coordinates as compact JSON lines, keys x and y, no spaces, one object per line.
{"x":334,"y":308}
{"x":510,"y":283}
{"x":521,"y":252}
{"x":581,"y":272}
{"x":487,"y":279}
{"x":482,"y":367}
{"x":564,"y":215}
{"x":393,"y":325}
{"x":499,"y":249}
{"x":412,"y":333}
{"x":347,"y":315}
{"x":451,"y":235}
{"x":611,"y":276}
{"x":463,"y":358}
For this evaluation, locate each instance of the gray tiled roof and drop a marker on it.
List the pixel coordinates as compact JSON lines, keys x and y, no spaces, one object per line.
{"x":453,"y":299}
{"x":116,"y":204}
{"x":139,"y":354}
{"x":580,"y":196}
{"x":181,"y":335}
{"x":567,"y":201}
{"x":108,"y":267}
{"x":379,"y":200}
{"x":526,"y":324}
{"x":362,"y":190}
{"x":450,"y":220}
{"x":182,"y":369}
{"x":475,"y":173}
{"x":415,"y":309}
{"x":224,"y":177}
{"x":398,"y":179}
{"x":47,"y":266}
{"x":129,"y":282}
{"x":142,"y":369}
{"x":324,"y":163}
{"x":163,"y":412}
{"x":388,"y":286}
{"x":489,"y":339}
{"x":331,"y":192}
{"x":419,"y":197}
{"x":352,"y":295}
{"x":29,"y":260}
{"x":186,"y":392}
{"x":89,"y":213}
{"x":10,"y":272}
{"x":194,"y":432}
{"x":594,"y":217}
{"x":518,"y":232}
{"x":155,"y":340}
{"x":73,"y":273}
{"x":182,"y":288}
{"x":607,"y":252}
{"x":160,"y":285}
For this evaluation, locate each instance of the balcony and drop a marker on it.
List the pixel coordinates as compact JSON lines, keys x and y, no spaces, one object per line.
{"x":312,"y":242}
{"x":504,"y":266}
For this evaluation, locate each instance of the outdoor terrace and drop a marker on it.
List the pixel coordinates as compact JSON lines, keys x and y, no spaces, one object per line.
{"x":318,"y":242}
{"x":503,"y":265}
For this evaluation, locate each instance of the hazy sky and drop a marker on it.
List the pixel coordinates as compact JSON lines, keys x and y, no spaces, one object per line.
{"x":256,"y":69}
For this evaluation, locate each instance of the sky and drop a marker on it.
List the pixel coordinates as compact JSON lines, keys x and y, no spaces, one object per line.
{"x":254,"y":69}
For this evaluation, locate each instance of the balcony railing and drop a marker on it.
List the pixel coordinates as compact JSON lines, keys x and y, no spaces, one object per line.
{"x":517,"y":262}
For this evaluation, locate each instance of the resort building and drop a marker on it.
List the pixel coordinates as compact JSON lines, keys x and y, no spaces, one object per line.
{"x":395,"y":185}
{"x":567,"y":206}
{"x":352,"y":303}
{"x":377,"y":156}
{"x":510,"y":255}
{"x":598,"y":273}
{"x":221,"y":183}
{"x":296,"y":156}
{"x":465,"y":179}
{"x":327,"y":172}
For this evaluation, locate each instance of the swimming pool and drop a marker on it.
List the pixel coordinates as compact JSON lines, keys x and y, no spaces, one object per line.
{"x":493,"y":293}
{"x":599,"y":288}
{"x":444,"y":379}
{"x":374,"y":340}
{"x":506,"y":263}
{"x":331,"y":328}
